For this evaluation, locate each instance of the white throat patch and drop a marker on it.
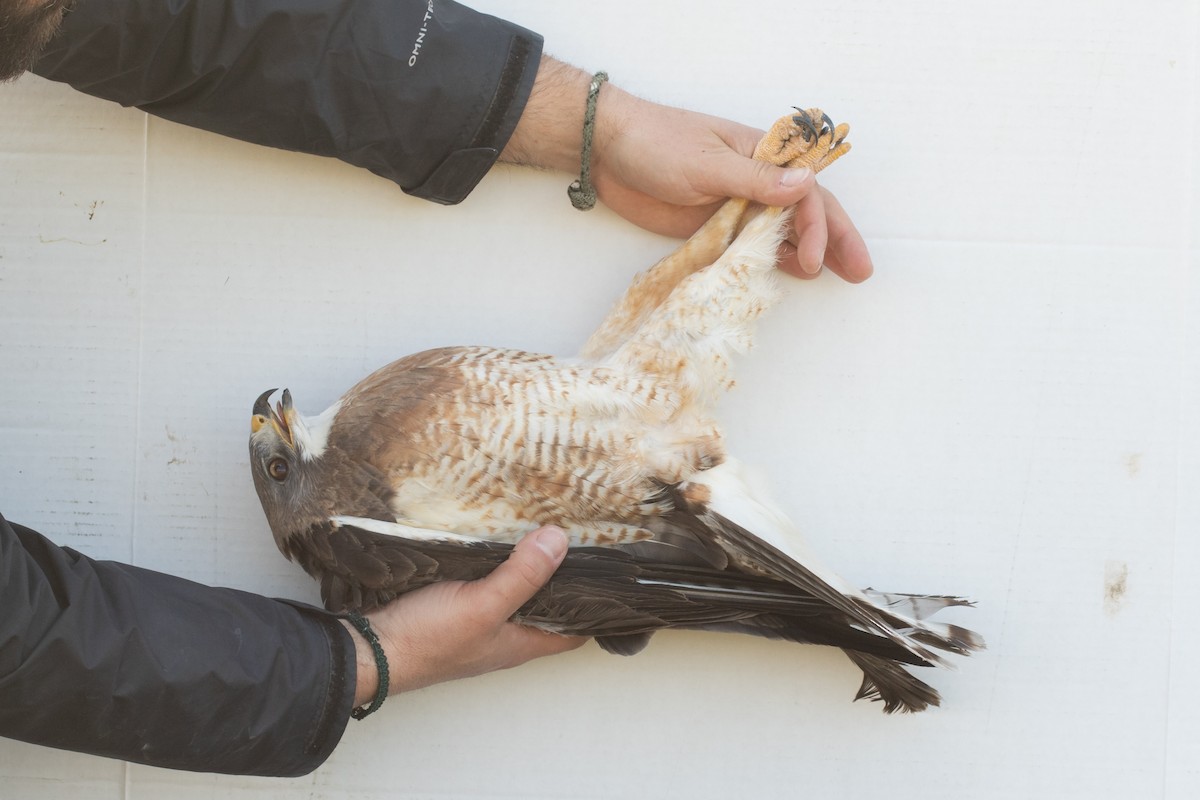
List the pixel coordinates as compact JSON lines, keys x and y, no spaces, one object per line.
{"x":312,"y":434}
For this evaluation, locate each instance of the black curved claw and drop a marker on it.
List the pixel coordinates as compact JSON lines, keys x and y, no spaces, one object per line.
{"x":832,"y":129}
{"x":807,"y":128}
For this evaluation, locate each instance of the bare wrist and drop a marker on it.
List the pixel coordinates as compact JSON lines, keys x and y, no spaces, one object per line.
{"x":550,"y":131}
{"x":614,"y":108}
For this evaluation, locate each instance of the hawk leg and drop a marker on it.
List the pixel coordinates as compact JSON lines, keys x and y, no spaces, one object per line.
{"x":804,"y":139}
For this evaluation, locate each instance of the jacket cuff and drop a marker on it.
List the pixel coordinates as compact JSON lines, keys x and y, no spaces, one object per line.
{"x":462,"y":170}
{"x":127,"y":663}
{"x":332,"y":713}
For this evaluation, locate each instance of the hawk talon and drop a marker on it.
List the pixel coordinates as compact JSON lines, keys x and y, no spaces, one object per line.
{"x":827,"y":132}
{"x":807,"y":138}
{"x":832,"y":130}
{"x":804,"y":121}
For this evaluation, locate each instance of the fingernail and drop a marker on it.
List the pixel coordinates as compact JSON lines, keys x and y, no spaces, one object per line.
{"x":811,"y":269}
{"x":795,"y":177}
{"x":551,"y":540}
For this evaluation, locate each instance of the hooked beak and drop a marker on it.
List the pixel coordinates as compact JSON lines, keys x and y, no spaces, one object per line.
{"x":278,"y":417}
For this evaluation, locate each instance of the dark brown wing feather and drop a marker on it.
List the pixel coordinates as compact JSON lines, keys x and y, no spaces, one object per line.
{"x":597,"y":592}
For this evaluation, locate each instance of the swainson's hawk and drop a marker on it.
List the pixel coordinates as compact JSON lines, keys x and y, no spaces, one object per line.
{"x":432,"y":467}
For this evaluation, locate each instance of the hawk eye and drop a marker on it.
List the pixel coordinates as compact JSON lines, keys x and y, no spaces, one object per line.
{"x":278,"y":469}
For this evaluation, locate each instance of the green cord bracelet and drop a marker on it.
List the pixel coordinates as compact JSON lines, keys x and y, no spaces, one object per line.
{"x":581,"y":192}
{"x":381,"y":663}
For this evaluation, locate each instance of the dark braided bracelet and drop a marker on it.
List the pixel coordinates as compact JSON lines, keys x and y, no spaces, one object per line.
{"x":381,"y":663}
{"x":582,"y":192}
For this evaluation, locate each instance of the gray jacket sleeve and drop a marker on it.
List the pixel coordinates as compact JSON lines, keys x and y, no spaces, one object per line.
{"x":117,"y":661}
{"x":425,"y":93}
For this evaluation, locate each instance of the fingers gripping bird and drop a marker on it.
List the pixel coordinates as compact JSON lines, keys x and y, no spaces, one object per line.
{"x":431,"y":469}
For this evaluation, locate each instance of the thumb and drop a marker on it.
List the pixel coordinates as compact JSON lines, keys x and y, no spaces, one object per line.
{"x":738,"y":176}
{"x":526,"y":570}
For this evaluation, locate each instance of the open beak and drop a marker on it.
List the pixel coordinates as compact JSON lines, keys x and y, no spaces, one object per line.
{"x":278,"y":417}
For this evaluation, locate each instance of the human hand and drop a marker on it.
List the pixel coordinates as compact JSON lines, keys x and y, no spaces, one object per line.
{"x":460,"y":629}
{"x":668,"y":170}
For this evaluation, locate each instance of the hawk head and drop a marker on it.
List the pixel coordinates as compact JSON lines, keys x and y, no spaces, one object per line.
{"x":290,"y":462}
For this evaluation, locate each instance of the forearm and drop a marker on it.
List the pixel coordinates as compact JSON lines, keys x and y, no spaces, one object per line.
{"x":117,"y":661}
{"x":550,"y":131}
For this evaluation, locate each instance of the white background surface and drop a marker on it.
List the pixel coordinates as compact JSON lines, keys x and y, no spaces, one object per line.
{"x":1008,"y":410}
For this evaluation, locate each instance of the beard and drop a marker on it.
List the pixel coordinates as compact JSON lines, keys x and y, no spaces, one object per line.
{"x":26,"y":26}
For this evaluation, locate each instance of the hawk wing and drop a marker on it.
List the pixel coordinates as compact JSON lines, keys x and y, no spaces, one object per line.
{"x":622,"y":600}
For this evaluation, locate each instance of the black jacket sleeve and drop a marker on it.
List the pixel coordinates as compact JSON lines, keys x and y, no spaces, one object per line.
{"x":117,"y":661}
{"x":425,"y":93}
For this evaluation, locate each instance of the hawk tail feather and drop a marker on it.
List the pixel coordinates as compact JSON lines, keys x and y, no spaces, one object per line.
{"x":882,"y":661}
{"x":887,"y":682}
{"x":761,"y":539}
